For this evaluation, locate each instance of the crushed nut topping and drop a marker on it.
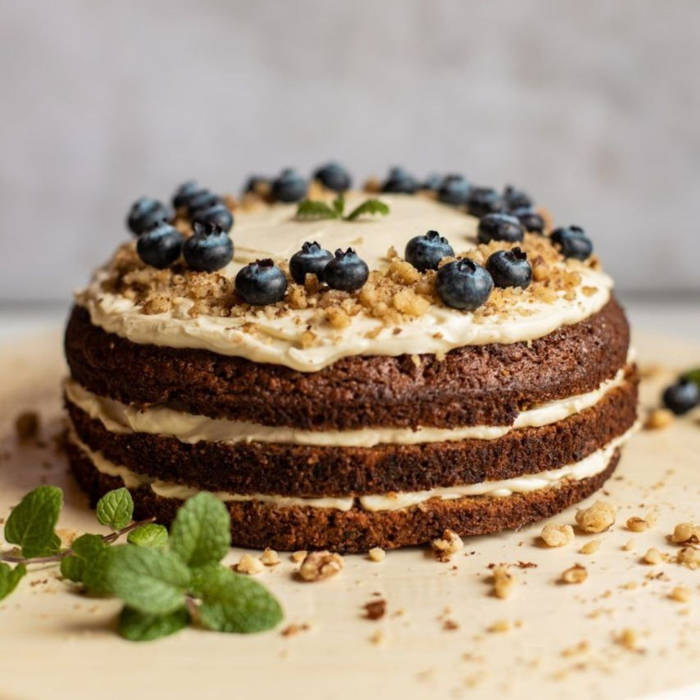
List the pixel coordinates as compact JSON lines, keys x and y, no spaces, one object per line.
{"x":503,"y":581}
{"x":557,"y":535}
{"x":686,"y":533}
{"x":376,"y":554}
{"x":574,"y":574}
{"x":320,"y":565}
{"x":269,"y":557}
{"x":637,"y":524}
{"x":680,"y":594}
{"x":447,"y":545}
{"x":652,"y":556}
{"x":590,"y":547}
{"x":658,"y":418}
{"x":249,"y":564}
{"x":598,"y":518}
{"x":689,"y":557}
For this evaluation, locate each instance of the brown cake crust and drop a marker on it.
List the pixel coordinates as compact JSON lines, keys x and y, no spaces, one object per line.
{"x":258,"y":525}
{"x":313,"y":471}
{"x":472,"y":385}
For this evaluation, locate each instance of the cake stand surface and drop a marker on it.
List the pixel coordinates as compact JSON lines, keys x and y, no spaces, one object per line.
{"x":437,"y":638}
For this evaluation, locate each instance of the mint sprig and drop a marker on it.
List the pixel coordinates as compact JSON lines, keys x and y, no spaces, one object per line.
{"x":312,"y":209}
{"x":165,"y":581}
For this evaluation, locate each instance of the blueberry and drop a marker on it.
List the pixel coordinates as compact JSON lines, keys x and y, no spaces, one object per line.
{"x":463,"y":284}
{"x":161,"y":246}
{"x":454,"y":189}
{"x":516,"y":199}
{"x":145,"y":213}
{"x":500,"y":227}
{"x":682,"y":396}
{"x":399,"y":181}
{"x":509,"y":268}
{"x":185,"y":192}
{"x":261,"y":282}
{"x":289,"y":186}
{"x":530,"y":219}
{"x":334,"y":176}
{"x":202,"y":200}
{"x":572,"y":242}
{"x":432,"y":182}
{"x":483,"y":200}
{"x":425,"y":252}
{"x":311,"y":259}
{"x":218,"y":215}
{"x":208,"y":249}
{"x":346,"y":271}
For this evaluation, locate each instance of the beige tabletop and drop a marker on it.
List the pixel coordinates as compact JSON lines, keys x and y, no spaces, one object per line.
{"x":443,"y":635}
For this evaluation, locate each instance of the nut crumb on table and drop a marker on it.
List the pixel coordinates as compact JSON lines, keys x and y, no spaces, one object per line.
{"x":597,"y":518}
{"x":318,"y":566}
{"x":557,"y":535}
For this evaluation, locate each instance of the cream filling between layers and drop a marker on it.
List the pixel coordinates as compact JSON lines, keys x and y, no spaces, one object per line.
{"x":121,"y":418}
{"x":594,"y":464}
{"x":274,"y":232}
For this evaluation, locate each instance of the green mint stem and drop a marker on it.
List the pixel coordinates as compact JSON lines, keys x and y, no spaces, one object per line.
{"x":112,"y":537}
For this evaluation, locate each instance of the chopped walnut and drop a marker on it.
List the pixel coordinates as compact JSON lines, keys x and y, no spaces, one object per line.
{"x":337,"y":317}
{"x":590,"y":547}
{"x":637,"y":524}
{"x":627,"y":639}
{"x":298,"y":556}
{"x":658,"y":418}
{"x":500,"y":626}
{"x":447,"y":545}
{"x":376,"y":554}
{"x":652,"y":556}
{"x":681,"y":594}
{"x":269,"y":557}
{"x":686,"y":533}
{"x":249,"y":564}
{"x":688,"y":556}
{"x":503,"y":581}
{"x":574,"y":574}
{"x":598,"y":518}
{"x":320,"y":565}
{"x":557,"y":535}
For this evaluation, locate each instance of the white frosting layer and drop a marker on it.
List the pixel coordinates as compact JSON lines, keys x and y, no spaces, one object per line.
{"x":587,"y":467}
{"x":186,"y":427}
{"x":273,"y":232}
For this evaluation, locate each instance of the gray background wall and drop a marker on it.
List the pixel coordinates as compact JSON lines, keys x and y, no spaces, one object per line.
{"x":592,"y":106}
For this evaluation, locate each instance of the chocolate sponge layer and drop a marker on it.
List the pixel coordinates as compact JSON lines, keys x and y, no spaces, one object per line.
{"x":301,"y":527}
{"x":313,"y":471}
{"x":473,"y":385}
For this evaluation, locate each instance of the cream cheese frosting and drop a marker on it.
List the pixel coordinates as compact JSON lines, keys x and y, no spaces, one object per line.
{"x":273,"y":232}
{"x":591,"y":465}
{"x":189,"y":428}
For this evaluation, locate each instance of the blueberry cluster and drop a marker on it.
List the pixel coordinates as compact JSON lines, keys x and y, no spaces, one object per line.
{"x":684,"y":394}
{"x":160,"y":244}
{"x":345,"y":270}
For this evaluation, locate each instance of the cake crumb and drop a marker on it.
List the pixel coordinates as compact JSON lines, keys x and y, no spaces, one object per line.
{"x":686,"y":533}
{"x":249,"y":564}
{"x":503,"y":581}
{"x":318,"y":566}
{"x":598,"y":518}
{"x":637,"y":524}
{"x":447,"y":545}
{"x":557,"y":535}
{"x":680,"y":594}
{"x":375,"y":609}
{"x":658,"y":419}
{"x":376,"y":554}
{"x":580,"y":648}
{"x":27,"y":426}
{"x":574,"y":574}
{"x":298,"y":556}
{"x":590,"y":547}
{"x":652,"y":556}
{"x":270,"y":557}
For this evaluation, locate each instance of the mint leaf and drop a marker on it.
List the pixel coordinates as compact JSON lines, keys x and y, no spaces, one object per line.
{"x":148,"y":580}
{"x":693,"y":375}
{"x":309,"y":209}
{"x":115,"y":509}
{"x":31,"y":524}
{"x":201,"y":531}
{"x":234,"y":603}
{"x":86,"y":549}
{"x":150,"y":535}
{"x":142,"y":627}
{"x":369,"y":206}
{"x":95,"y":572}
{"x":9,"y":578}
{"x":339,"y":204}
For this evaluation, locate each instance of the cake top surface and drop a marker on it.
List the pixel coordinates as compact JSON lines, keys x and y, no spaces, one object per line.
{"x":399,"y":309}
